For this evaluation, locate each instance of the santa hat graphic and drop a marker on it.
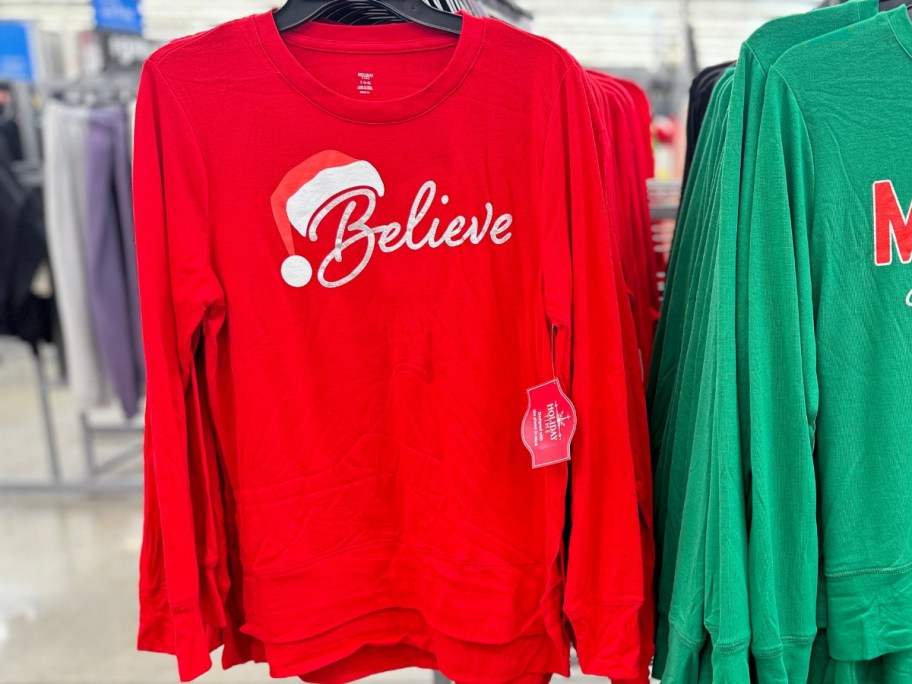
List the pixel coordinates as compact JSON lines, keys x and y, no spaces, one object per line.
{"x":301,"y":194}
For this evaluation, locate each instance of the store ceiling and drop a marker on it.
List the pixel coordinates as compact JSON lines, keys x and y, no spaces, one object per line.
{"x":601,"y":33}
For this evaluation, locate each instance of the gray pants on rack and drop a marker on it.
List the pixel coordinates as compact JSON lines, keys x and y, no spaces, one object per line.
{"x":65,"y":144}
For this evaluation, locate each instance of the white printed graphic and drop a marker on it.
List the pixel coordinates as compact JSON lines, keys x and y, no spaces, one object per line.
{"x":331,"y":181}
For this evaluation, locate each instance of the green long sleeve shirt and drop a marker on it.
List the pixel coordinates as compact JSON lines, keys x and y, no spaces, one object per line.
{"x":781,"y":562}
{"x":830,"y":254}
{"x":698,"y":388}
{"x":669,"y":476}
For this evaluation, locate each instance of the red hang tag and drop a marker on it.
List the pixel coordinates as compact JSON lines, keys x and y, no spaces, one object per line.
{"x":549,"y":424}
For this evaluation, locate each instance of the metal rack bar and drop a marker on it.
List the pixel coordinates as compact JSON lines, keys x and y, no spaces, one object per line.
{"x":125,"y":455}
{"x":113,"y":486}
{"x":47,"y":420}
{"x":91,"y":432}
{"x":97,"y":478}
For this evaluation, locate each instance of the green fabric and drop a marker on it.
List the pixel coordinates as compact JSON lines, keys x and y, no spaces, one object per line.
{"x":893,"y":668}
{"x":679,"y":296}
{"x":830,"y":338}
{"x":699,"y":398}
{"x":671,"y":324}
{"x":780,"y":510}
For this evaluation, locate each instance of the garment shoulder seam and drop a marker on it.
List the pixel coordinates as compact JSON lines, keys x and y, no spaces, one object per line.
{"x":804,"y":123}
{"x":757,"y":59}
{"x":179,"y":44}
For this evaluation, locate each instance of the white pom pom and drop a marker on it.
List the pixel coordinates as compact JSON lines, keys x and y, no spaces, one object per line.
{"x":296,"y":271}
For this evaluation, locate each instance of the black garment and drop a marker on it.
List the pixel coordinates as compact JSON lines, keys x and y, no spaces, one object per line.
{"x":700,"y":93}
{"x":9,"y":132}
{"x":22,"y":250}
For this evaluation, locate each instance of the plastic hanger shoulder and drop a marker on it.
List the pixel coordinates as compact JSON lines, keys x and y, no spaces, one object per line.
{"x":296,"y":12}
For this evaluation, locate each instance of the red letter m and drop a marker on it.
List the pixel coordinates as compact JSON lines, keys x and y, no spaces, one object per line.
{"x":891,"y":224}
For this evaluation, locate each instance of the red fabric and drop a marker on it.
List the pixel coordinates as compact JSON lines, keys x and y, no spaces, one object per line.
{"x":642,"y":119}
{"x":349,"y":445}
{"x":619,"y":114}
{"x":639,"y":428}
{"x":397,"y":639}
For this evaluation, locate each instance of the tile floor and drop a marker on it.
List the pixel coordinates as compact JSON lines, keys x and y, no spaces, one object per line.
{"x":68,"y":562}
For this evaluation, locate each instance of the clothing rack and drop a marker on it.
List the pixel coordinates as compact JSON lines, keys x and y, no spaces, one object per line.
{"x":664,"y":203}
{"x":111,"y":88}
{"x":54,"y":480}
{"x":50,"y":435}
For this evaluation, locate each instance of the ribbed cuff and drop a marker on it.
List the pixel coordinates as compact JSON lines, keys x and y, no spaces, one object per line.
{"x":607,"y":640}
{"x":682,"y":658}
{"x":179,"y":631}
{"x":661,"y":646}
{"x":156,"y":629}
{"x":878,"y":625}
{"x":790,"y":662}
{"x":193,"y":642}
{"x":730,"y":664}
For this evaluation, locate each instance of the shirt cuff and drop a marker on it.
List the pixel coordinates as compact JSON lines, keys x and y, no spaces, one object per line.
{"x":607,"y":641}
{"x":179,"y":631}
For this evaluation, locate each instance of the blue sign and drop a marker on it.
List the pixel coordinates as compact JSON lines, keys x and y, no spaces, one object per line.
{"x":122,"y":16}
{"x":16,"y":63}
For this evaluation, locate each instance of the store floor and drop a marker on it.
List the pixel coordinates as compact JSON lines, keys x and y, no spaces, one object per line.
{"x":68,"y":563}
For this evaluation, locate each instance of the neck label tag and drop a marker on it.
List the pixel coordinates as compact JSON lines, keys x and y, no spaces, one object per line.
{"x":549,"y":424}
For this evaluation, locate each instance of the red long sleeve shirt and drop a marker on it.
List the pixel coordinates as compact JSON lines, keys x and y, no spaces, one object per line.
{"x":620,"y":121}
{"x":370,"y":235}
{"x":639,"y":429}
{"x":641,"y":117}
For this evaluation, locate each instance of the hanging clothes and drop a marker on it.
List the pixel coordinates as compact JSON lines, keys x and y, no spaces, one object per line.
{"x":624,"y":125}
{"x":700,"y":94}
{"x":785,"y":324}
{"x":641,"y":118}
{"x":65,"y":131}
{"x":23,"y":251}
{"x":88,"y":204}
{"x":848,"y":296}
{"x":342,"y":329}
{"x":633,"y":271}
{"x":111,"y":255}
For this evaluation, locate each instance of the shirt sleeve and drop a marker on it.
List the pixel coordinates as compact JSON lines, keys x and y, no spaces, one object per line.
{"x":635,"y":259}
{"x":783,"y":393}
{"x":156,"y":624}
{"x":604,"y":575}
{"x":177,"y":288}
{"x":640,"y":123}
{"x":680,"y":545}
{"x":636,"y":404}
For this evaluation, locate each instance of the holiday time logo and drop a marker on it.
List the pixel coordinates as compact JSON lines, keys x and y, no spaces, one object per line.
{"x":554,"y":422}
{"x":341,"y":192}
{"x":548,"y":425}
